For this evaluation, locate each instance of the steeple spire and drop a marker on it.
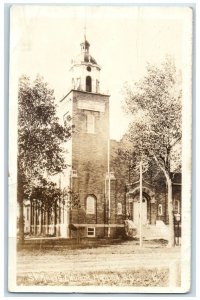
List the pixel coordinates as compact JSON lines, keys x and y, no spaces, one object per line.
{"x":85,"y":32}
{"x":85,"y":45}
{"x":85,"y":70}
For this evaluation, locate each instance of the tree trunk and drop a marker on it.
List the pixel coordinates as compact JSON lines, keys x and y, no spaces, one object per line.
{"x":35,"y":218}
{"x":31,"y":217}
{"x":20,"y":200}
{"x":170,"y":212}
{"x":59,"y":210}
{"x":77,"y":232}
{"x":41,"y":219}
{"x":55,"y":218}
{"x":170,"y":204}
{"x":48,"y":221}
{"x":21,"y":219}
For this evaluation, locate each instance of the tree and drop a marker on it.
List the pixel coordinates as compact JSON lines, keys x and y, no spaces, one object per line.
{"x":127,"y":161}
{"x":40,"y":139}
{"x":46,"y":198}
{"x":155,"y":132}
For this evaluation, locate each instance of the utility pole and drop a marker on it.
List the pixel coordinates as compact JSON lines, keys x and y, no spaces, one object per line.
{"x":141,"y":203}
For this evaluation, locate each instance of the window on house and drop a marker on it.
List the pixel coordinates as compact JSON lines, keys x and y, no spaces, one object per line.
{"x":88,"y":84}
{"x":90,"y":123}
{"x":90,"y":205}
{"x":160,"y":210}
{"x":91,"y":232}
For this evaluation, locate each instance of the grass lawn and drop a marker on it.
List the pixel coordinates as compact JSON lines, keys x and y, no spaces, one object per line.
{"x":123,"y":264}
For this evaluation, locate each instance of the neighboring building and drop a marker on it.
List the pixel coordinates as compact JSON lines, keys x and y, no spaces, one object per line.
{"x":107,"y":194}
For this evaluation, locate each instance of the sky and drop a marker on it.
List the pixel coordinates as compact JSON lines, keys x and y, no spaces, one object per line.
{"x":122,"y":39}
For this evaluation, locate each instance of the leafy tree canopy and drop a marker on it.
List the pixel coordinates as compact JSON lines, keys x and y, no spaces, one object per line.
{"x":155,"y":104}
{"x":40,"y":136}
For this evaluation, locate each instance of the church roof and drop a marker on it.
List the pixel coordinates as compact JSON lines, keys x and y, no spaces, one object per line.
{"x":84,"y":57}
{"x":86,"y":43}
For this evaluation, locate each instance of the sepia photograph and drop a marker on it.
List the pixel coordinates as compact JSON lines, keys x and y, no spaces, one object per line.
{"x":100,"y":137}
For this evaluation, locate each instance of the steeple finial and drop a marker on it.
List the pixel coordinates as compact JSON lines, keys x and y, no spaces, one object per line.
{"x":85,"y":27}
{"x":85,"y":44}
{"x":85,"y":31}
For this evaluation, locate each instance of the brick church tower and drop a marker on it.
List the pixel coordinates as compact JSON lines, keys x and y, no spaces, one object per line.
{"x":88,"y":110}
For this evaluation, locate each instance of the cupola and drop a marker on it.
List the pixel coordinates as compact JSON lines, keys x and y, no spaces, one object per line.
{"x":85,"y":71}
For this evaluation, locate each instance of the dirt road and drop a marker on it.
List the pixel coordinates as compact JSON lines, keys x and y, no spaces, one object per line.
{"x":126,"y":256}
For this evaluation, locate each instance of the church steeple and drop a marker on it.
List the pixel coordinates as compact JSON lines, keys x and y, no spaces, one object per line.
{"x":85,"y":70}
{"x":85,"y":45}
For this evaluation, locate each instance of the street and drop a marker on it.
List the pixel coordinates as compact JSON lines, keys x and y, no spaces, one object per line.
{"x":65,"y":266}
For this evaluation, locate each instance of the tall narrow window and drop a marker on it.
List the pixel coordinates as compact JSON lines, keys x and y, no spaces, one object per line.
{"x":90,"y":205}
{"x":90,"y":123}
{"x":88,"y":84}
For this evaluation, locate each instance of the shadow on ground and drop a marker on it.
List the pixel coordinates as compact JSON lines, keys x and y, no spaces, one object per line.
{"x":84,"y":243}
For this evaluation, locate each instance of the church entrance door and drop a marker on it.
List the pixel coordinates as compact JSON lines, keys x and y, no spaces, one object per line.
{"x":136,"y":211}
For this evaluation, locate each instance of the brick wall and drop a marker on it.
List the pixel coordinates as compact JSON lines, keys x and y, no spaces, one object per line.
{"x":89,"y":159}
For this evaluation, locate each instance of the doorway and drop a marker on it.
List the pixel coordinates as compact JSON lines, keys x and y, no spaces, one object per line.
{"x":136,"y":211}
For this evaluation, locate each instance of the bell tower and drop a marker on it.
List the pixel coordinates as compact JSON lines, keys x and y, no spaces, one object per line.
{"x":85,"y":72}
{"x":87,"y":108}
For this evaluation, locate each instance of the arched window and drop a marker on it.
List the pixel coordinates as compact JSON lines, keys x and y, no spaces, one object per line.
{"x":90,"y":204}
{"x":88,"y":84}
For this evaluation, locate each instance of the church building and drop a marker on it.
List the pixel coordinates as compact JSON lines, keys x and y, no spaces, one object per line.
{"x":106,"y":197}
